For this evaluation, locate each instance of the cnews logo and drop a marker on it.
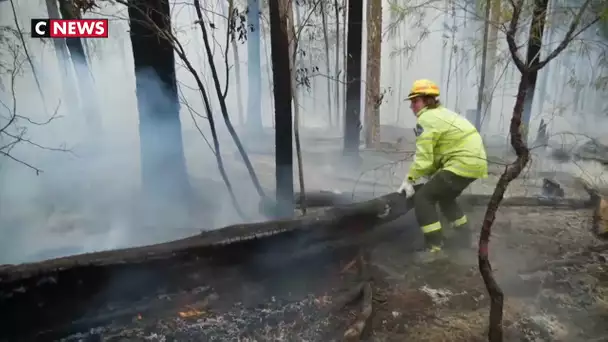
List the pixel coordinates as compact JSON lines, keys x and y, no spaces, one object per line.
{"x":69,"y":28}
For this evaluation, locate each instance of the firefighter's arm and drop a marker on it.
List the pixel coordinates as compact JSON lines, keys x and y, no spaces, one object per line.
{"x":423,"y":164}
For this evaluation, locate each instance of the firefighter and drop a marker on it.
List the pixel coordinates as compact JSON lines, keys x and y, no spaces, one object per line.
{"x":451,"y":155}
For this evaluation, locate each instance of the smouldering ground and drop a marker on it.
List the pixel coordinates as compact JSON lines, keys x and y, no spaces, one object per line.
{"x":547,"y":298}
{"x":552,"y":270}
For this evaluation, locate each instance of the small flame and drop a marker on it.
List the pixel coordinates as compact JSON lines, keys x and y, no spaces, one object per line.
{"x":190,"y":313}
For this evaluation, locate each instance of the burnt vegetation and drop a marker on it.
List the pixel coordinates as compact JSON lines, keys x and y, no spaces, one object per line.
{"x":313,"y":268}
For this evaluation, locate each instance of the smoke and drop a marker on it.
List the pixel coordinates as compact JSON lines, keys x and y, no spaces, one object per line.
{"x":91,"y":198}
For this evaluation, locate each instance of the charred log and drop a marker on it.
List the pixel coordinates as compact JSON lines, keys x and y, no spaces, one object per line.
{"x":52,"y":298}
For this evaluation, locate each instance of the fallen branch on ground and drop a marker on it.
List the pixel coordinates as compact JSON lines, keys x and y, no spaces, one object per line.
{"x":365,"y":292}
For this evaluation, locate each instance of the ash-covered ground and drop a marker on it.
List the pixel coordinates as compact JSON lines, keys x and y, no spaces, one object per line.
{"x":551,"y":268}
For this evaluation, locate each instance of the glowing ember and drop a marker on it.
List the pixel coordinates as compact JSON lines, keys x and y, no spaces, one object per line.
{"x":190,"y":313}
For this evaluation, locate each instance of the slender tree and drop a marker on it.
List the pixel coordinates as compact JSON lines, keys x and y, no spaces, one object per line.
{"x":352,"y":120}
{"x":337,"y":61}
{"x":484,"y":55}
{"x":254,"y":74}
{"x":322,"y":9}
{"x":30,"y":61}
{"x":492,"y":61}
{"x":237,"y":61}
{"x":281,"y":76}
{"x":527,"y":72}
{"x":372,"y":83}
{"x":293,"y":49}
{"x":537,"y":30}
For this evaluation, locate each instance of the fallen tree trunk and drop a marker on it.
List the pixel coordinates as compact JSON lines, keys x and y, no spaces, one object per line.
{"x":48,"y":296}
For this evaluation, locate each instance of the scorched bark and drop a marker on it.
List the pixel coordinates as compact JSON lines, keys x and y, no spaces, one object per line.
{"x":352,"y":119}
{"x":162,"y":157}
{"x":281,"y":76}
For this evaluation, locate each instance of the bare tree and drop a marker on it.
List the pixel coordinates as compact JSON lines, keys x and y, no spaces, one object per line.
{"x":323,"y":13}
{"x":222,"y":99}
{"x":27,"y":55}
{"x":337,"y":62}
{"x":254,"y":74}
{"x":237,"y":62}
{"x":492,"y":61}
{"x":528,"y":70}
{"x":13,"y":126}
{"x":293,"y":52}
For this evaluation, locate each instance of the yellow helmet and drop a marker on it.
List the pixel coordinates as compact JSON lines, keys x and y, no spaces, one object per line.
{"x":423,"y":88}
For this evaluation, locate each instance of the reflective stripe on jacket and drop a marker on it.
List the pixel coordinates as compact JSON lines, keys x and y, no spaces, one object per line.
{"x":448,"y":141}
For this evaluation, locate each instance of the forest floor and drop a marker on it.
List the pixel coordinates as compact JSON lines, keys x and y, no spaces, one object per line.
{"x":549,"y":265}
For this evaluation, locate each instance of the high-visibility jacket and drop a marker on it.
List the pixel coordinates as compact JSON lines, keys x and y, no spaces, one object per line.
{"x":447,"y":141}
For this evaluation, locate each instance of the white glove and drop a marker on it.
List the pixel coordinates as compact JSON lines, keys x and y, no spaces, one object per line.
{"x":406,"y":188}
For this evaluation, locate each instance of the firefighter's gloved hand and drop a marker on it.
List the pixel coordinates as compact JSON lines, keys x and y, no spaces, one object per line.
{"x":406,"y":188}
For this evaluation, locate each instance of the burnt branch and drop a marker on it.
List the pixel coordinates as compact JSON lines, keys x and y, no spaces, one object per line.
{"x":28,"y":56}
{"x":511,"y":34}
{"x":223,"y":108}
{"x":354,"y":332}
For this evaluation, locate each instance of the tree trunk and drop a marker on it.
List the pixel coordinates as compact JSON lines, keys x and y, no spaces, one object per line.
{"x":282,"y":103}
{"x":537,"y":30}
{"x":63,"y":57}
{"x":163,"y":167}
{"x":372,"y":84}
{"x":495,"y":13}
{"x":267,"y":62}
{"x":88,"y":97}
{"x":549,"y":71}
{"x":293,"y":49}
{"x":484,"y":60}
{"x":352,"y":120}
{"x":400,"y":85}
{"x":254,"y":73}
{"x":344,"y":62}
{"x":237,"y":65}
{"x":337,"y":67}
{"x":327,"y":67}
